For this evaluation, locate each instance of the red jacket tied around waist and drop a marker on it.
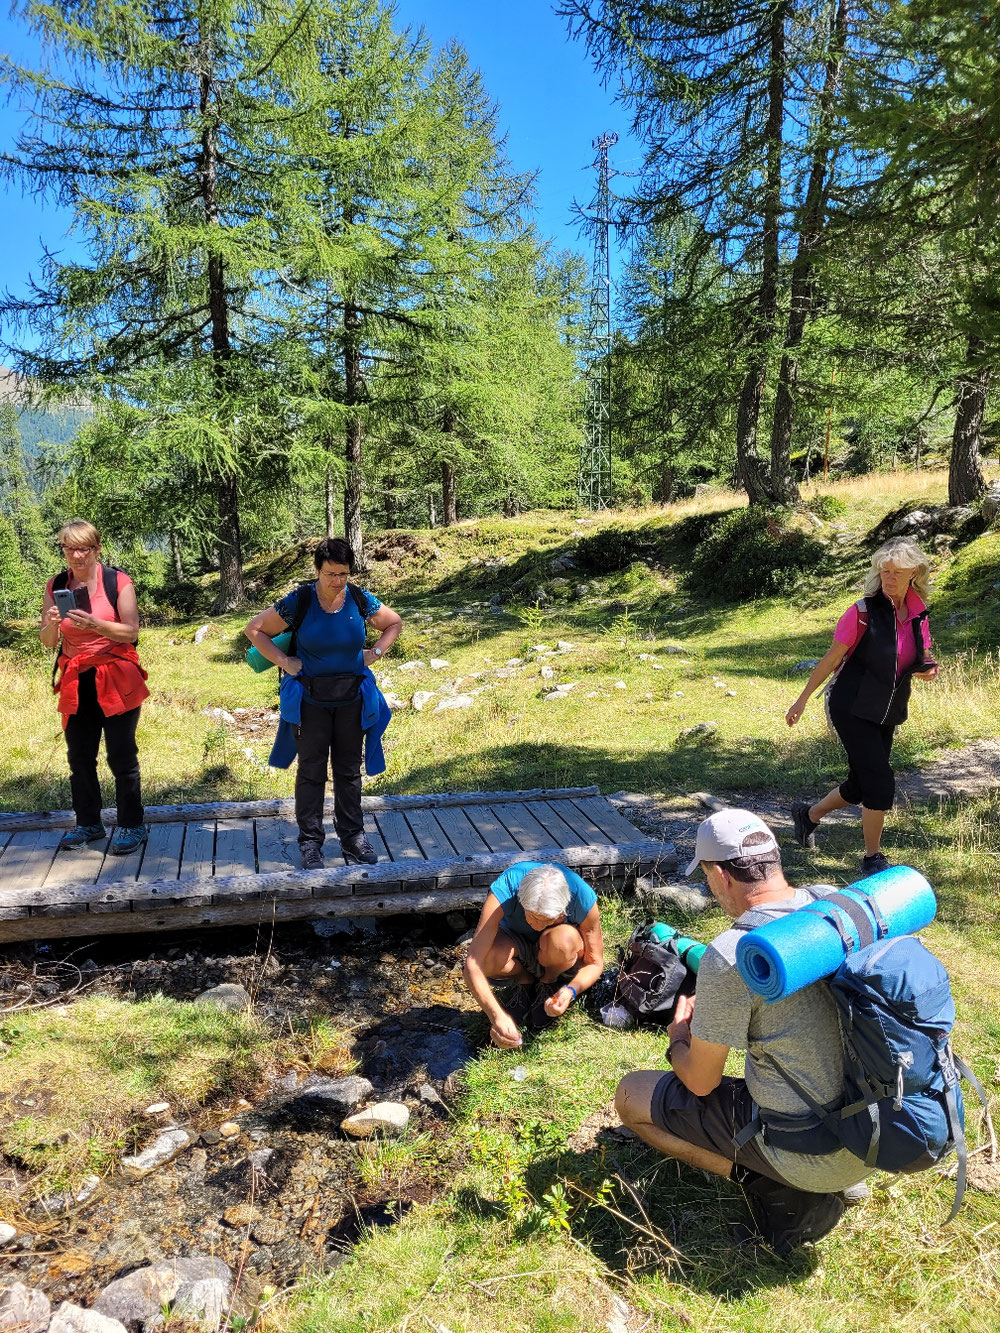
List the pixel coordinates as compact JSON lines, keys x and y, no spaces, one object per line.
{"x":120,"y":680}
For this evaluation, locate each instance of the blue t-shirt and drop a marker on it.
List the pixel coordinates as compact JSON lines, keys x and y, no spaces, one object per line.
{"x":581,"y":897}
{"x":329,"y":643}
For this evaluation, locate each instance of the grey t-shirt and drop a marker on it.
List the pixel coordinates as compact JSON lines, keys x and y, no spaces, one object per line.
{"x":801,"y":1034}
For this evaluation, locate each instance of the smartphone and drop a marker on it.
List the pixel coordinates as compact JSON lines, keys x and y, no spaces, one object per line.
{"x":65,"y":601}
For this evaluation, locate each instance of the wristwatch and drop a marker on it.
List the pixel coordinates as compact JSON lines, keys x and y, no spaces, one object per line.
{"x":377,"y":651}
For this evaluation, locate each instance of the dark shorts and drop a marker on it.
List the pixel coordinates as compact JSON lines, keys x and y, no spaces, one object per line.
{"x":710,"y":1122}
{"x":526,"y":953}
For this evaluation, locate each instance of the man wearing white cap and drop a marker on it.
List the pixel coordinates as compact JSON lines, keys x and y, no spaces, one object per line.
{"x":697,"y":1113}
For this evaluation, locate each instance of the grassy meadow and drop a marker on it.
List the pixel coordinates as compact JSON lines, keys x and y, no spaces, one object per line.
{"x":534,"y":1230}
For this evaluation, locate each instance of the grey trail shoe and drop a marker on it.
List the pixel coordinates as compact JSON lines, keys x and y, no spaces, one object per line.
{"x":871,"y":865}
{"x":358,"y":850}
{"x":80,"y":836}
{"x":129,"y":840}
{"x":312,"y":856}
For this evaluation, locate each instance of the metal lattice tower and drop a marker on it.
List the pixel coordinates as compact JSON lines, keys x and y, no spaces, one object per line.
{"x":595,"y":485}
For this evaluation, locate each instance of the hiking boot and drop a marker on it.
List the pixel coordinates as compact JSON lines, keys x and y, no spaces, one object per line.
{"x":312,"y":856}
{"x":358,"y":851}
{"x":80,"y":836}
{"x":871,"y":865}
{"x":804,"y":827}
{"x":855,"y":1194}
{"x":129,"y":840}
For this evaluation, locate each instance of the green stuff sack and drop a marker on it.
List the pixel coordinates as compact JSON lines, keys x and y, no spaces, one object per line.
{"x":256,"y":660}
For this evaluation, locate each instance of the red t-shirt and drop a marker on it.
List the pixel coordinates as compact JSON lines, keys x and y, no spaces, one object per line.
{"x":75,"y":640}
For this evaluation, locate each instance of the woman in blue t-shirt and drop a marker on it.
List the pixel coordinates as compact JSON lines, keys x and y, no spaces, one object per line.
{"x":330,"y":659}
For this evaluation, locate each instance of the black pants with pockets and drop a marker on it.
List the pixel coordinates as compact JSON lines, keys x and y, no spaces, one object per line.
{"x":329,"y":736}
{"x":84,"y":729}
{"x":870,"y":780}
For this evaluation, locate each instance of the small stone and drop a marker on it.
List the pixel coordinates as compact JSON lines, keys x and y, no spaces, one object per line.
{"x":240,"y":1215}
{"x":202,"y":633}
{"x":700,"y":731}
{"x":730,"y":694}
{"x":388,"y":1118}
{"x":7,"y":1234}
{"x":24,"y":1309}
{"x":455,"y":921}
{"x":157,"y":1108}
{"x":74,"y":1319}
{"x":330,"y":1099}
{"x":230,"y":996}
{"x":422,"y":697}
{"x":260,"y":1158}
{"x":505,"y":673}
{"x":546,"y":673}
{"x":555,"y":695}
{"x":429,"y":1094}
{"x":620,"y":685}
{"x":220,"y":715}
{"x":439,"y":663}
{"x":677,"y":694}
{"x":411,"y":666}
{"x":211,"y":1137}
{"x":563,"y":647}
{"x":514,"y":662}
{"x":459,"y":701}
{"x":269,"y":1231}
{"x":229,"y":1129}
{"x":162,"y":1150}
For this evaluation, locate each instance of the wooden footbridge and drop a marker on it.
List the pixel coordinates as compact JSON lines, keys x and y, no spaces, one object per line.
{"x":237,"y":863}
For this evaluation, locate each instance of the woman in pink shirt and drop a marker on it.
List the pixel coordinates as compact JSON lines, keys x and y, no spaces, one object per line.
{"x":879,"y":646}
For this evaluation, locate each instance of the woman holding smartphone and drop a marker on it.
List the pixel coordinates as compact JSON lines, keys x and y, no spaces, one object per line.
{"x":880,"y":644}
{"x":90,"y":610}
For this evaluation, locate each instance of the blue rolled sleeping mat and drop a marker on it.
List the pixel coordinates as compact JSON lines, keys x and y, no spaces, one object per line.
{"x":793,"y":951}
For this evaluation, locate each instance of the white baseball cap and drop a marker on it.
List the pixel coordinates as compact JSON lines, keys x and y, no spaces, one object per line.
{"x":722,"y":837}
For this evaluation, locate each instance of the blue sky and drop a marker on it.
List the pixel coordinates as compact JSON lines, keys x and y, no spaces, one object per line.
{"x":551,"y":102}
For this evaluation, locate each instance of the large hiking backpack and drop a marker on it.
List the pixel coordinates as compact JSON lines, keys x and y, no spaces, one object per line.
{"x":651,"y":977}
{"x":901,"y":1109}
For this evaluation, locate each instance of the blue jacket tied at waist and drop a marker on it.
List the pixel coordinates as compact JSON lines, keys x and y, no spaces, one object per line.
{"x":375,"y":717}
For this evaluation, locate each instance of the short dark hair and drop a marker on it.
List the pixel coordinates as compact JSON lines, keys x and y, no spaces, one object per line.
{"x":335,"y":550}
{"x":753,"y":869}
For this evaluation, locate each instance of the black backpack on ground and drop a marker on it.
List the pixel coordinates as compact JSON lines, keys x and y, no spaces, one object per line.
{"x":651,"y":977}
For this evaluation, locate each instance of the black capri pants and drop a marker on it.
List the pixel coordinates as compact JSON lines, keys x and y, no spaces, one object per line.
{"x":870,"y":780}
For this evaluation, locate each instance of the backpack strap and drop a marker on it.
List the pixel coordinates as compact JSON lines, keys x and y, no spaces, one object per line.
{"x":359,"y":599}
{"x":303,"y":596}
{"x":955,"y":1125}
{"x":109,"y":577}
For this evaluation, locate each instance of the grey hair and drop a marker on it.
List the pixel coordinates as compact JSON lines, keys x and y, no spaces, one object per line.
{"x":907,"y":555}
{"x":544,"y":890}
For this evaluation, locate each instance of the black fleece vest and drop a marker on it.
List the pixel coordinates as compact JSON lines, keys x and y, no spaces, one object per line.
{"x":866,"y":685}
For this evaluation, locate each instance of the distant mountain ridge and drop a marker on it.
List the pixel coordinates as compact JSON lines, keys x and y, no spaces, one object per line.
{"x":40,"y":425}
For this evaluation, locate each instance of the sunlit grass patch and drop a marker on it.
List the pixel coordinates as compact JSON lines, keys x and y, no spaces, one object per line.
{"x":76,"y":1078}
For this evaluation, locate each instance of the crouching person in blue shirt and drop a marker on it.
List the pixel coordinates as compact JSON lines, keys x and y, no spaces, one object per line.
{"x":539,"y":928}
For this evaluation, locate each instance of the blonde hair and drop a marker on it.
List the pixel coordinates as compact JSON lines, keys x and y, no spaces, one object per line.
{"x":907,"y":555}
{"x":78,"y":532}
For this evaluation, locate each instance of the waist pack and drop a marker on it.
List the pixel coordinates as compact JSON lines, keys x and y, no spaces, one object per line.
{"x":333,"y":691}
{"x":901,"y":1108}
{"x":651,"y":977}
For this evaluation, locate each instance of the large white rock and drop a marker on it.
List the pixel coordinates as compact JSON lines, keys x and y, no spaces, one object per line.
{"x":199,"y":1286}
{"x":24,"y":1309}
{"x":422,"y":697}
{"x":411,"y":666}
{"x":439,"y":663}
{"x":163,"y":1149}
{"x":7,"y":1234}
{"x":459,"y":701}
{"x":388,"y":1118}
{"x":71,"y":1318}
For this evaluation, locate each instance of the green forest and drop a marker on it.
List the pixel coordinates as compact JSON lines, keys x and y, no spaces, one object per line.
{"x":314,"y":297}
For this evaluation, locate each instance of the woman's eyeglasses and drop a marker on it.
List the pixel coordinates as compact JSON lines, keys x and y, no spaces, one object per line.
{"x":78,"y":550}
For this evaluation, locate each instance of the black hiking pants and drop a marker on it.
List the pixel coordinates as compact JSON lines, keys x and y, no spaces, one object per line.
{"x":328,"y":737}
{"x":870,"y":780}
{"x":84,"y":730}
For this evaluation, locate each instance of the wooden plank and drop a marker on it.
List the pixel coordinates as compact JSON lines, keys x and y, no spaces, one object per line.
{"x":461,"y":833}
{"x":491,"y":830}
{"x":163,"y":853}
{"x":199,"y":849}
{"x":277,"y":848}
{"x":82,"y":865}
{"x":608,"y":819}
{"x":526,"y":829}
{"x":399,"y":839}
{"x":27,"y":858}
{"x":4,"y":840}
{"x":584,"y":827}
{"x":375,"y":838}
{"x":434,"y":842}
{"x":561,"y":833}
{"x":360,"y":880}
{"x":234,"y":847}
{"x":284,"y":807}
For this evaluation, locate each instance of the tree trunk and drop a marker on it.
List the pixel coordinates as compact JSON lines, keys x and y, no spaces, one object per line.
{"x":331,"y":504}
{"x":232,"y":591}
{"x":965,"y":474}
{"x":783,"y":486}
{"x":448,"y":492}
{"x":353,"y":487}
{"x":432,"y":510}
{"x":390,"y":502}
{"x":749,"y":466}
{"x":175,"y":553}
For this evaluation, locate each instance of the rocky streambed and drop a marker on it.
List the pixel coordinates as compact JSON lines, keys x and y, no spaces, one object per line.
{"x":277,"y":1182}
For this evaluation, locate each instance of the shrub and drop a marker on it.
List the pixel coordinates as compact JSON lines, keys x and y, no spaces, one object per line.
{"x":612,"y":549}
{"x":751,"y":554}
{"x":20,"y":594}
{"x":827,"y":506}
